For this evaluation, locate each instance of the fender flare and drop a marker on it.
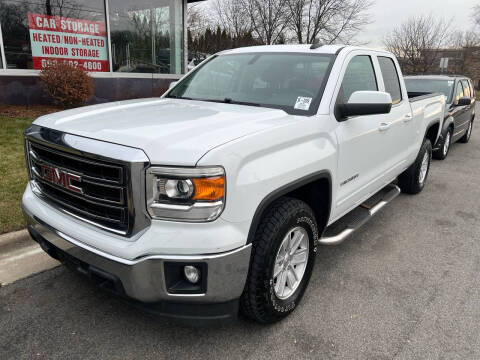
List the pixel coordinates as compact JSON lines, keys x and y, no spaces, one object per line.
{"x":438,"y":135}
{"x":446,"y":123}
{"x":285,"y":189}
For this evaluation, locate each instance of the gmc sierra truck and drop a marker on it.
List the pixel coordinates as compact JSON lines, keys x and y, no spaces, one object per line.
{"x":214,"y":198}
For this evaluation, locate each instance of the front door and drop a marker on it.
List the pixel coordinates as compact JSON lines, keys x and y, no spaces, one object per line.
{"x":362,"y":159}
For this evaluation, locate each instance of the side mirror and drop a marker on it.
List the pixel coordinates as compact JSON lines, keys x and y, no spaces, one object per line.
{"x":172,"y":84}
{"x":366,"y":103}
{"x":464,"y":101}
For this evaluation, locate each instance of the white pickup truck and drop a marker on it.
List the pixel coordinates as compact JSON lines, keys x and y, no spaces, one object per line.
{"x":214,"y":198}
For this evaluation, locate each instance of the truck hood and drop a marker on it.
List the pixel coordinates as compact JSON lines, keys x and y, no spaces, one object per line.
{"x":170,"y":131}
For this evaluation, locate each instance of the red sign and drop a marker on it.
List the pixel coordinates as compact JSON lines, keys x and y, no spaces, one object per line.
{"x":76,"y":41}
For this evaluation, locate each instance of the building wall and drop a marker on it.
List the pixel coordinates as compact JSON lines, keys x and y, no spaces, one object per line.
{"x":26,"y":90}
{"x":465,"y":61}
{"x":471,"y":65}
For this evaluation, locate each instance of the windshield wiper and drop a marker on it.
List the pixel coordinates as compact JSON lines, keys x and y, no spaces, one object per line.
{"x":224,"y":101}
{"x":179,"y":97}
{"x":231,"y":101}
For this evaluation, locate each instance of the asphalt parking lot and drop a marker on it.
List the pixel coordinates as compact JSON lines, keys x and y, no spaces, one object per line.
{"x":407,"y":286}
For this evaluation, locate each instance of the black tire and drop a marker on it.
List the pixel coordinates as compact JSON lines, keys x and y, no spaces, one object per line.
{"x":259,"y":300}
{"x":410,"y":181}
{"x":442,"y":153}
{"x":466,"y":138}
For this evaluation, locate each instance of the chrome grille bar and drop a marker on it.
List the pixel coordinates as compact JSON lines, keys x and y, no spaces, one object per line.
{"x":97,"y":182}
{"x":58,"y":159}
{"x":102,"y":200}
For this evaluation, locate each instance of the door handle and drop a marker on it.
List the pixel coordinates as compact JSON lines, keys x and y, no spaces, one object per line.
{"x":384,"y":126}
{"x":407,"y":118}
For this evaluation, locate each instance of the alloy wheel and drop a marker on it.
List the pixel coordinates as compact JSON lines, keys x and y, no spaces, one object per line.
{"x":291,"y":262}
{"x":446,"y":143}
{"x":424,"y":168}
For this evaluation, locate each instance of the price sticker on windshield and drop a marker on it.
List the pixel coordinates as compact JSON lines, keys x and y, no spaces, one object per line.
{"x":303,"y":103}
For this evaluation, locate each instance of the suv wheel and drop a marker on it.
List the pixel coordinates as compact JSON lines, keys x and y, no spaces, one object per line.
{"x":442,"y":152}
{"x":412,"y":180}
{"x":283,"y":255}
{"x":466,"y":138}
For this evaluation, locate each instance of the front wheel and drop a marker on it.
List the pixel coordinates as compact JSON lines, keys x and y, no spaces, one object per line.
{"x":442,"y":152}
{"x":283,"y":255}
{"x":412,"y":180}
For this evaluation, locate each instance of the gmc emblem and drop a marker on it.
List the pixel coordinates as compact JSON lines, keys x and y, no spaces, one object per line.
{"x":61,"y":178}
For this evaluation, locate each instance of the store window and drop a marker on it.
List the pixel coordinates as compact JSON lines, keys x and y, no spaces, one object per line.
{"x":147,"y":36}
{"x":39,"y":32}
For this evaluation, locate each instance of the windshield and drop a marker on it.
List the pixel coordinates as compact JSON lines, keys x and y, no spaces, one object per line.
{"x":444,"y":87}
{"x":290,"y":81}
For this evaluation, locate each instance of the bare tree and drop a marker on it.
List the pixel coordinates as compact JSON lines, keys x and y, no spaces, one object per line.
{"x":417,"y":42}
{"x":232,"y":16}
{"x":197,"y":20}
{"x":327,"y":21}
{"x":267,"y":19}
{"x":464,"y":39}
{"x":476,"y":15}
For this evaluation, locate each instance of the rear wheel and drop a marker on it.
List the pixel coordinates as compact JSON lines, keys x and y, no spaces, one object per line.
{"x":466,"y":138}
{"x":442,"y":152}
{"x":412,"y":180}
{"x":283,"y":255}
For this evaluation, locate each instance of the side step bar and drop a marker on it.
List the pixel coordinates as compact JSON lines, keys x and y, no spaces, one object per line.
{"x":337,"y":232}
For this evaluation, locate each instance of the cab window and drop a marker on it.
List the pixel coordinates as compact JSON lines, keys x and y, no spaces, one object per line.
{"x":359,"y":76}
{"x":390,"y":78}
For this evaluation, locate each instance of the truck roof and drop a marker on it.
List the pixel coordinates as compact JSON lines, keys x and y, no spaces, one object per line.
{"x":302,"y":48}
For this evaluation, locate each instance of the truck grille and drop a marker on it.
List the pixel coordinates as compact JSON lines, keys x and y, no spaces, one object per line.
{"x":90,"y":189}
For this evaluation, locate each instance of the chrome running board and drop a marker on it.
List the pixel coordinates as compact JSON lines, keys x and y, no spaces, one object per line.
{"x":341,"y":229}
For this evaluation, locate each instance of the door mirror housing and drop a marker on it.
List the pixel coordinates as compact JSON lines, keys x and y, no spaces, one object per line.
{"x":366,"y":103}
{"x":464,"y":101}
{"x":172,"y":84}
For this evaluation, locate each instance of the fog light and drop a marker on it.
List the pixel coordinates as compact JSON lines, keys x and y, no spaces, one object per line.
{"x":192,"y":274}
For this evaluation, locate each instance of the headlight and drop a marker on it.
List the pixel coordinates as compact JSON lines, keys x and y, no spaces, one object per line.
{"x":185,"y":194}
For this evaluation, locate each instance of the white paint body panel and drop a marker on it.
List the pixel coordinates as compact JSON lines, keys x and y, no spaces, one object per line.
{"x":261,"y":150}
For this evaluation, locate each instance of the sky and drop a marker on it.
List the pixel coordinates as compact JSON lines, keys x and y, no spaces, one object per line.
{"x":386,"y":14}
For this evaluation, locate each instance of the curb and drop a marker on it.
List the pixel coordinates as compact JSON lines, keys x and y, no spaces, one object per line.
{"x":14,"y":236}
{"x":21,"y":257}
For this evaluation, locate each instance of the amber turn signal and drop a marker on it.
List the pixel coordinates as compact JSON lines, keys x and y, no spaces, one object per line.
{"x":209,"y":189}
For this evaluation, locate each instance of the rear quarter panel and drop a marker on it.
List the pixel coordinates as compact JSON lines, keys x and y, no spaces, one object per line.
{"x":426,"y":112}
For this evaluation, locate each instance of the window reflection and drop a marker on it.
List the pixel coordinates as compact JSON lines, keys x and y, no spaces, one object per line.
{"x":147,"y":36}
{"x":17,"y":30}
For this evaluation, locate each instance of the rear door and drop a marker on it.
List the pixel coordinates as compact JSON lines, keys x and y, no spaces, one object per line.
{"x":362,"y":159}
{"x":400,"y":135}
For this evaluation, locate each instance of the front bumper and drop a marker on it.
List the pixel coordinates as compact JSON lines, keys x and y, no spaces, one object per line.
{"x":143,"y":280}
